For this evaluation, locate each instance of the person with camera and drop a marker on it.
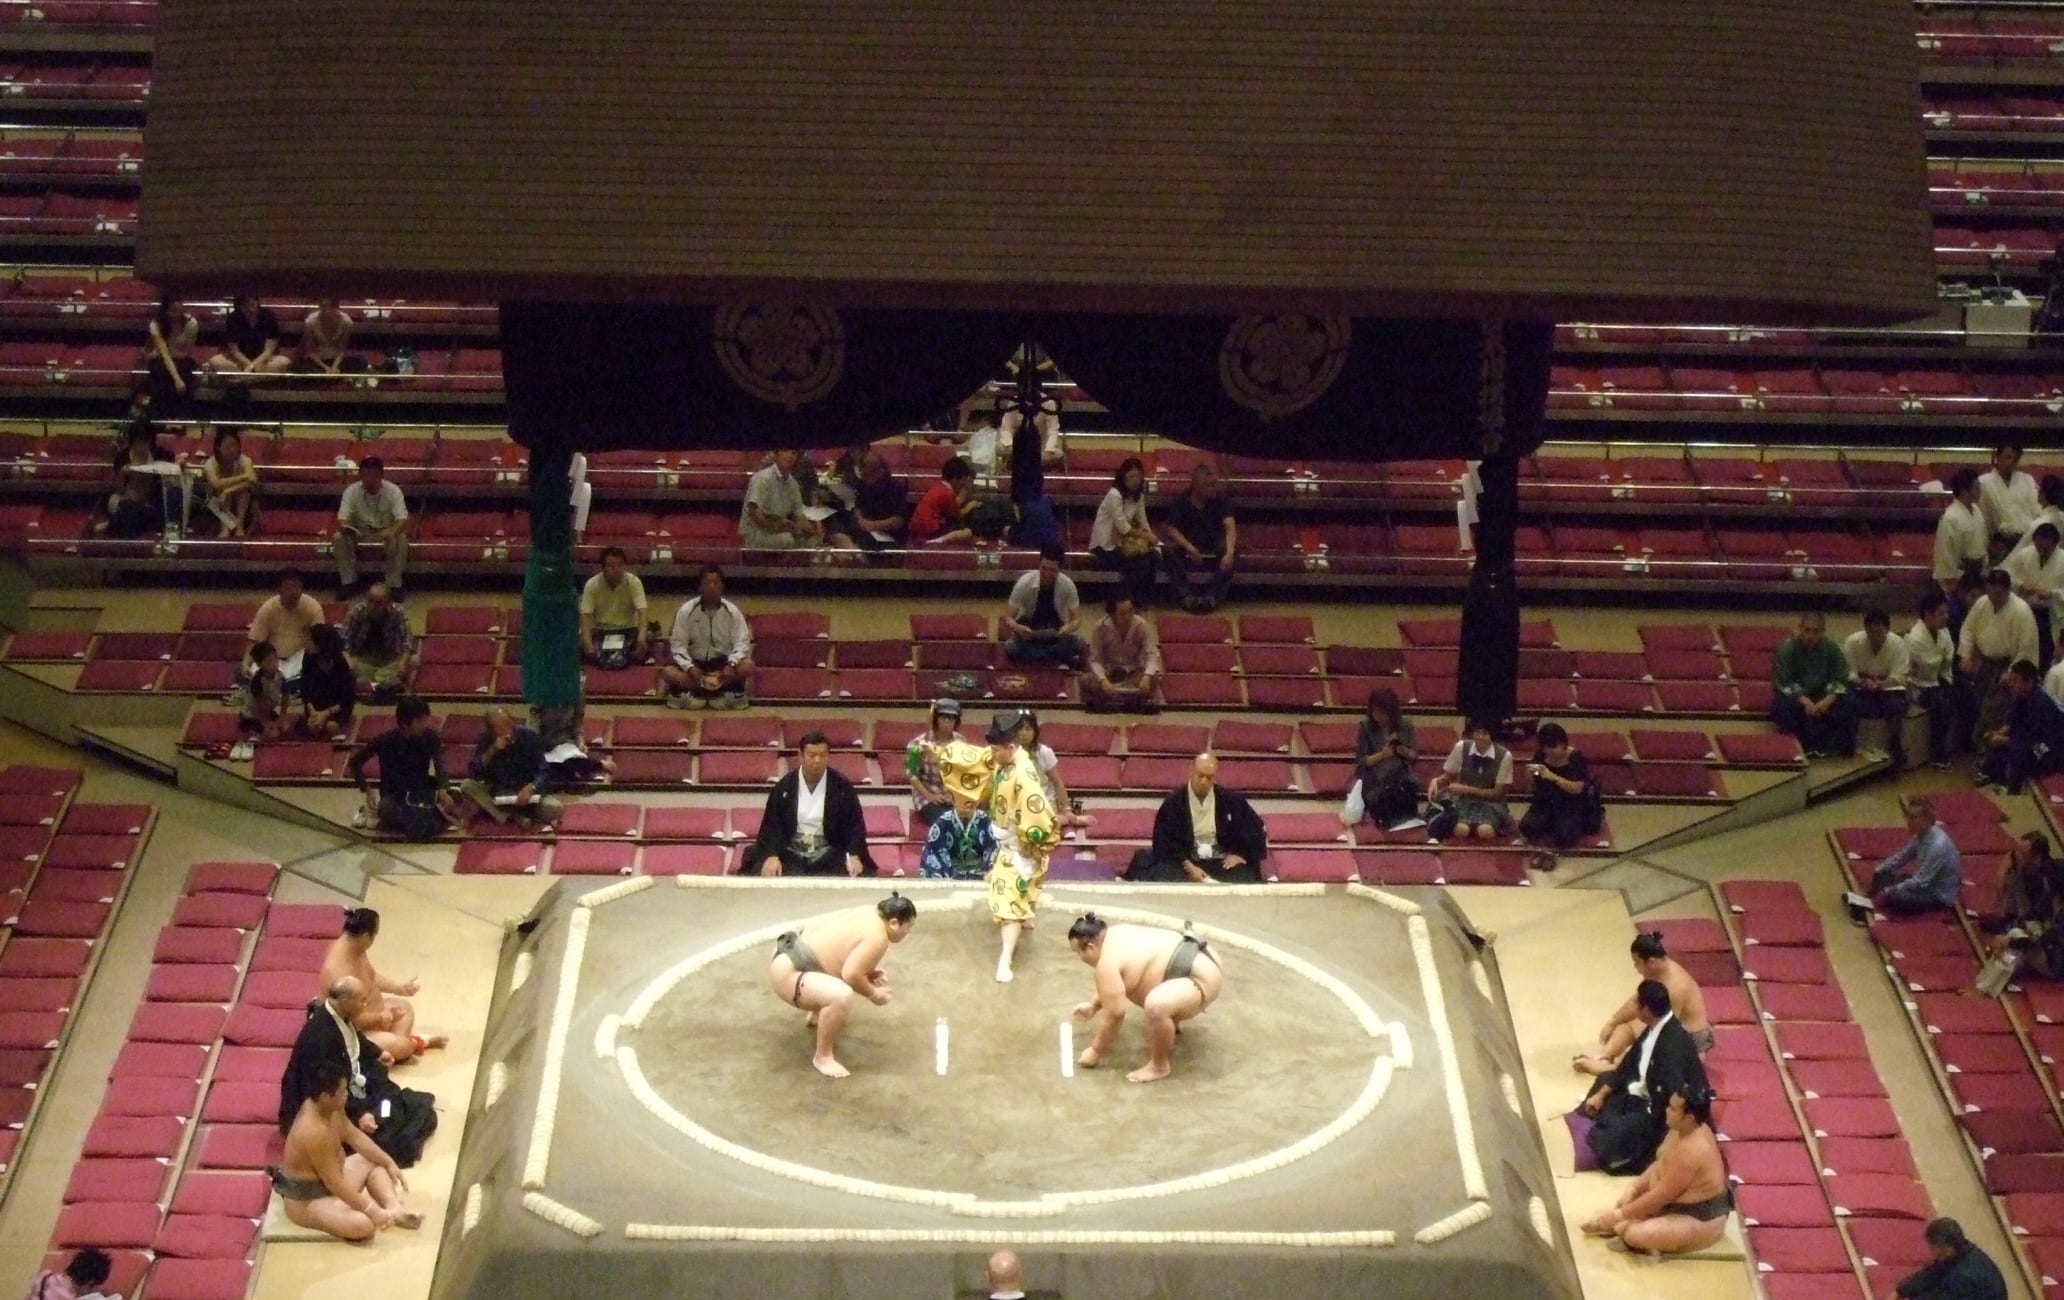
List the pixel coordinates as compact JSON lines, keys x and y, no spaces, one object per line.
{"x":1566,"y":805}
{"x":1120,"y":540}
{"x":1385,"y":749}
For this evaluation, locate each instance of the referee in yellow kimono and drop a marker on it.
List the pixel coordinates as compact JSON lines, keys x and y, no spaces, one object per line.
{"x":1027,"y":828}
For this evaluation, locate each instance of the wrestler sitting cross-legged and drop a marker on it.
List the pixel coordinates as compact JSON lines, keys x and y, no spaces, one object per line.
{"x":1681,"y":1202}
{"x":819,"y":968}
{"x":1172,"y":976}
{"x":1651,"y":962}
{"x":389,"y":1018}
{"x":349,"y":1196}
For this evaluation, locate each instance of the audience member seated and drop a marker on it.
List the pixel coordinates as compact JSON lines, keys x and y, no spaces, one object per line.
{"x":1048,"y":765}
{"x":773,"y":518}
{"x":941,"y":513}
{"x":1046,"y":424}
{"x":1681,"y":1202}
{"x":262,"y":699}
{"x":1961,"y":534}
{"x":411,"y":801}
{"x":710,"y":651}
{"x":1931,"y":672}
{"x":813,"y":824}
{"x":399,"y":1119}
{"x":1469,"y":793}
{"x":960,"y":843}
{"x":928,"y":794}
{"x":2007,"y":496}
{"x":1936,"y":873}
{"x":232,"y":483}
{"x":1007,"y":1281}
{"x":1203,"y":833}
{"x":326,"y":343}
{"x":145,"y":494}
{"x":2030,"y":743}
{"x":563,"y":725}
{"x":252,"y":342}
{"x":386,"y":1018}
{"x":372,"y":510}
{"x":1878,"y":665}
{"x":379,"y":643}
{"x":1652,"y":963}
{"x":1043,"y":614}
{"x":1120,"y":540}
{"x":879,"y":514}
{"x":348,"y":1196}
{"x":1812,"y":691}
{"x":2038,"y":573}
{"x":1124,"y":672}
{"x":168,"y":356}
{"x":1629,"y":1104}
{"x":1566,"y":804}
{"x":2023,"y":934}
{"x":1998,"y":631}
{"x":614,"y":632}
{"x":82,"y":1278}
{"x":507,"y":779}
{"x":285,"y":620}
{"x":1385,"y":749}
{"x":1203,"y":542}
{"x":1961,"y":1271}
{"x":329,"y":688}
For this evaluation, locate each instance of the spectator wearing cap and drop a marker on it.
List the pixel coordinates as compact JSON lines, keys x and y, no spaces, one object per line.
{"x":2038,"y":573}
{"x":372,"y":510}
{"x":1960,"y":1270}
{"x":1124,"y":670}
{"x":1043,"y":614}
{"x":1998,"y":632}
{"x":928,"y":794}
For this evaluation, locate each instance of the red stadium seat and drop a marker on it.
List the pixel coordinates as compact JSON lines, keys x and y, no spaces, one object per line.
{"x":685,"y":859}
{"x":594,"y":858}
{"x":500,"y":858}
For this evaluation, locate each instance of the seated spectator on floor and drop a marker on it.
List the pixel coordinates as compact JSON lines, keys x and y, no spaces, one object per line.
{"x":1961,"y":534}
{"x":710,"y":651}
{"x":1468,"y":796}
{"x":262,"y":699}
{"x":960,"y":843}
{"x":285,"y":620}
{"x":1042,"y":615}
{"x":252,"y":344}
{"x":372,"y":510}
{"x":379,"y":643}
{"x":411,"y":800}
{"x":1878,"y":666}
{"x":1120,"y":540}
{"x":1205,"y":833}
{"x":386,"y":1018}
{"x":879,"y":515}
{"x":1998,"y":631}
{"x":563,"y":729}
{"x":507,"y":779}
{"x":2030,"y":743}
{"x":1203,"y":542}
{"x":329,"y":689}
{"x":813,"y":824}
{"x":399,"y":1119}
{"x":82,"y":1279}
{"x":1567,"y":804}
{"x":2023,"y":936}
{"x":326,"y":343}
{"x":350,"y":1197}
{"x":1936,"y":873}
{"x":928,"y":794}
{"x":941,"y":513}
{"x":1681,"y":1202}
{"x":1652,"y":962}
{"x":168,"y":356}
{"x":1961,"y":1271}
{"x":1931,"y":673}
{"x":232,"y":482}
{"x":1629,"y":1104}
{"x":772,"y":517}
{"x":2038,"y":573}
{"x":2007,"y":496}
{"x":145,"y":492}
{"x":1124,"y":672}
{"x":1812,"y":691}
{"x":1385,"y":749}
{"x":614,"y":631}
{"x":1048,"y":765}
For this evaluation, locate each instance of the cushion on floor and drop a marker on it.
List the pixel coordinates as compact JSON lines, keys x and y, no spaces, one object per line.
{"x":2037,"y":1214}
{"x":2009,"y":1173}
{"x":239,"y":1146}
{"x":56,"y":920}
{"x":26,"y":993}
{"x":163,"y":1060}
{"x":1879,"y":1196}
{"x":1784,"y":1206}
{"x":116,"y":1180}
{"x":1757,"y":895}
{"x":594,"y":858}
{"x":205,"y":1236}
{"x":1844,"y":1155}
{"x":1711,"y":969}
{"x":29,"y":1030}
{"x":1810,"y":1041}
{"x":1799,"y":1001}
{"x":134,"y":1137}
{"x":242,"y":1195}
{"x":1921,"y":936}
{"x":177,"y":1022}
{"x":1842,"y":1078}
{"x":1780,"y":929}
{"x":22,"y":1066}
{"x":1930,"y":974}
{"x":148,"y":1095}
{"x":1980,"y":1053}
{"x":200,"y":1279}
{"x":1773,"y":1163}
{"x":183,"y":982}
{"x":601,"y":819}
{"x":275,"y":954}
{"x":107,"y":1224}
{"x":1891,"y":1242}
{"x":280,"y":989}
{"x":1755,"y":1119}
{"x":1851,"y":1117}
{"x":231,"y":1102}
{"x":304,"y":920}
{"x":1799,"y":1250}
{"x":686,"y":859}
{"x":504,"y":858}
{"x":190,"y":944}
{"x":219,"y":911}
{"x":1787,"y":965}
{"x":1952,"y":1013}
{"x":1809,"y":1286}
{"x":253,"y":1026}
{"x":2013,"y":1132}
{"x":685,"y":823}
{"x":1998,"y":1091}
{"x":44,"y":957}
{"x":1691,"y":934}
{"x":251,"y":1065}
{"x":1730,"y":1005}
{"x":232,"y":878}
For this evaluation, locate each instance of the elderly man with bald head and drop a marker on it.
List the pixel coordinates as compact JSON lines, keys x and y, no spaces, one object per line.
{"x":507,"y":777}
{"x":1005,"y":1280}
{"x":1204,"y":833}
{"x":398,"y":1119}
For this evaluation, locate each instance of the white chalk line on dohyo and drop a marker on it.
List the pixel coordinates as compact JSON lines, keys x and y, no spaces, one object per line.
{"x":979,"y":1237}
{"x":1511,"y":1091}
{"x":605,"y":1037}
{"x":469,"y":1219}
{"x":497,"y":1083}
{"x":1473,"y":1184}
{"x":909,"y":886}
{"x":566,"y":1217}
{"x":1481,"y":978}
{"x":1537,"y":1214}
{"x":1467,"y":1217}
{"x":540,"y":1156}
{"x":1404,"y":906}
{"x":621,"y":889}
{"x":1400,"y":1044}
{"x":519,"y":973}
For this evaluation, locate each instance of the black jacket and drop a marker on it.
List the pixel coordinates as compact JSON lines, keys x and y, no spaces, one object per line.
{"x":1970,"y":1276}
{"x":1238,"y":826}
{"x":322,"y":1040}
{"x":1674,"y":1064}
{"x":845,"y":825}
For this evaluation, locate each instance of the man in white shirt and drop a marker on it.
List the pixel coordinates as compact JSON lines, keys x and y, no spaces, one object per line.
{"x":1878,"y":665}
{"x":372,"y":511}
{"x":711,"y":651}
{"x":1999,"y":630}
{"x":1961,"y":534}
{"x":283,"y":622}
{"x":1931,"y":673}
{"x":2052,"y":494}
{"x":773,"y":518}
{"x":2038,"y":574}
{"x":2008,"y":496}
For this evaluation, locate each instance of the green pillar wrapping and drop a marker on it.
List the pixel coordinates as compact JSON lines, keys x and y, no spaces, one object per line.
{"x":551,"y":607}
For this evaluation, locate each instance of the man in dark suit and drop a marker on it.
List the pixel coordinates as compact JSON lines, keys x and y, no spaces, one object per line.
{"x":813,"y":824}
{"x":399,"y":1119}
{"x":1630,"y":1103}
{"x":1204,"y":833}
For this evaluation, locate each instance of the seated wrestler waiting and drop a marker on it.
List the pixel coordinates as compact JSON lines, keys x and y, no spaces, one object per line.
{"x":1628,"y":1104}
{"x":1205,"y":833}
{"x":1681,"y":1202}
{"x":1471,"y":786}
{"x":819,"y":968}
{"x":386,"y":1018}
{"x":348,"y":1196}
{"x":1171,"y":975}
{"x":813,"y":824}
{"x":507,"y":778}
{"x":1651,"y":962}
{"x":961,"y":841}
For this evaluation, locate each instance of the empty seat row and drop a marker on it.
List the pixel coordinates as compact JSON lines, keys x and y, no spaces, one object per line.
{"x":1823,"y":389}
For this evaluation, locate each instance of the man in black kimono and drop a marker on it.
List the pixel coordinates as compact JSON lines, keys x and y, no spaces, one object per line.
{"x":1203,"y":833}
{"x":813,"y":824}
{"x":1631,"y":1102}
{"x":399,"y":1119}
